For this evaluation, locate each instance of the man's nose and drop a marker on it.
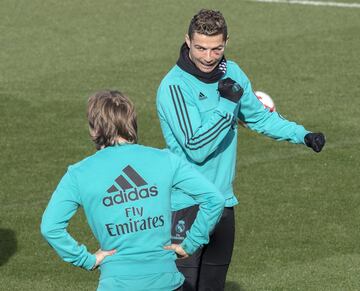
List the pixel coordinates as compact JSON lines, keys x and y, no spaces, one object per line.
{"x":208,"y":56}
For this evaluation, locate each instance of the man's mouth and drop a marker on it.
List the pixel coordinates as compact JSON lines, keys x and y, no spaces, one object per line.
{"x":208,"y":65}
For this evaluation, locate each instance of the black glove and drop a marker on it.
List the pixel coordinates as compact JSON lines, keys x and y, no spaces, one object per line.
{"x":316,"y":141}
{"x":230,"y":90}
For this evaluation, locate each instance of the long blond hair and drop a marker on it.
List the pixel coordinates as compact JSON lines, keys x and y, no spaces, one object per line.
{"x":111,"y":115}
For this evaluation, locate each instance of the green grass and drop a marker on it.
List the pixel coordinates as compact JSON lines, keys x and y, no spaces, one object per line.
{"x":298,"y":217}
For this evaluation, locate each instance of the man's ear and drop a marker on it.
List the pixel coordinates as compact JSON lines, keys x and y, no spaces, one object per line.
{"x":187,"y":40}
{"x":226,"y":41}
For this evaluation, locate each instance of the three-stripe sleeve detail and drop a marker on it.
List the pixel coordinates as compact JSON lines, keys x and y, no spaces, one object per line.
{"x":195,"y":142}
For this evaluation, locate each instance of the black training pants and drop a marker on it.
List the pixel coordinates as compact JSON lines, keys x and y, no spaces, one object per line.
{"x":206,"y":269}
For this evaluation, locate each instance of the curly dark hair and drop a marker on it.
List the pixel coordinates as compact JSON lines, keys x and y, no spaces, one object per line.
{"x":208,"y":22}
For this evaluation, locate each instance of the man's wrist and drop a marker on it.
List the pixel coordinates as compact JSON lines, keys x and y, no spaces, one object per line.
{"x":188,"y":247}
{"x":90,"y":263}
{"x":227,"y":105}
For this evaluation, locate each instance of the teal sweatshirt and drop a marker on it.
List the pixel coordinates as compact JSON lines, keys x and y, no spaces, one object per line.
{"x":125,"y":192}
{"x":201,"y":127}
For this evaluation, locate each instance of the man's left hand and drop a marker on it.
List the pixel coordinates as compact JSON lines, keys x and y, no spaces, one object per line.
{"x":316,"y":141}
{"x":100,"y":256}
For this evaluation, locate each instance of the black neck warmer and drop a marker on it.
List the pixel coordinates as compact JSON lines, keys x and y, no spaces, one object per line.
{"x":186,"y":64}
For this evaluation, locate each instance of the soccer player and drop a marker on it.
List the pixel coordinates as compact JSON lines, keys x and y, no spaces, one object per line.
{"x":199,"y":103}
{"x":125,"y":191}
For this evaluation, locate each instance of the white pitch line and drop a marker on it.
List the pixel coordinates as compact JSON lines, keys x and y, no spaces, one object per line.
{"x":314,"y":3}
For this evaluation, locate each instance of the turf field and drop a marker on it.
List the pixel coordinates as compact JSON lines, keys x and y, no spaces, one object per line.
{"x":299,"y":213}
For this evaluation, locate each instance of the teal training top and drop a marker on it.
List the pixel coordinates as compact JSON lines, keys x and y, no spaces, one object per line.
{"x":125,"y":192}
{"x":202,"y":127}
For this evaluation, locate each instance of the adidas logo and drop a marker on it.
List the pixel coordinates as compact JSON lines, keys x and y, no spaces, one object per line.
{"x":128,"y":192}
{"x":124,"y":184}
{"x":202,"y":96}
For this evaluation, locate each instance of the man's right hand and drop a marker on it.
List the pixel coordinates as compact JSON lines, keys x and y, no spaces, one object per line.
{"x":181,"y":254}
{"x":230,"y":90}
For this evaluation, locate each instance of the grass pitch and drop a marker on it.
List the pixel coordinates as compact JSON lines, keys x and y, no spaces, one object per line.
{"x":298,"y":217}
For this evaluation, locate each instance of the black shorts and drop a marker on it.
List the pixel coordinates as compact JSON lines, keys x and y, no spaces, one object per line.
{"x":206,"y":269}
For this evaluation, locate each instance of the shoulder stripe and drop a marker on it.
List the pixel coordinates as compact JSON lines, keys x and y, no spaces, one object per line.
{"x":181,"y":110}
{"x":223,"y":121}
{"x":210,"y":129}
{"x":214,"y":137}
{"x":186,"y":111}
{"x":185,"y":124}
{"x":207,"y":134}
{"x":176,"y":111}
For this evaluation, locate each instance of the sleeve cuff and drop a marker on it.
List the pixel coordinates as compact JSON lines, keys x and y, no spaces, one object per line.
{"x":300,"y":134}
{"x":188,"y":247}
{"x":90,"y":262}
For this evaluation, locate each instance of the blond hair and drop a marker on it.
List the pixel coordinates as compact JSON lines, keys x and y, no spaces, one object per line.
{"x":111,"y":115}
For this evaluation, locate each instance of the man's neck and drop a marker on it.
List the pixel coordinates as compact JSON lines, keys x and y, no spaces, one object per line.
{"x":121,"y":140}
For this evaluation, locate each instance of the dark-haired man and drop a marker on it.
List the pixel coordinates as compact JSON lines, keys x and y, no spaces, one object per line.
{"x":199,"y":103}
{"x":125,"y":190}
